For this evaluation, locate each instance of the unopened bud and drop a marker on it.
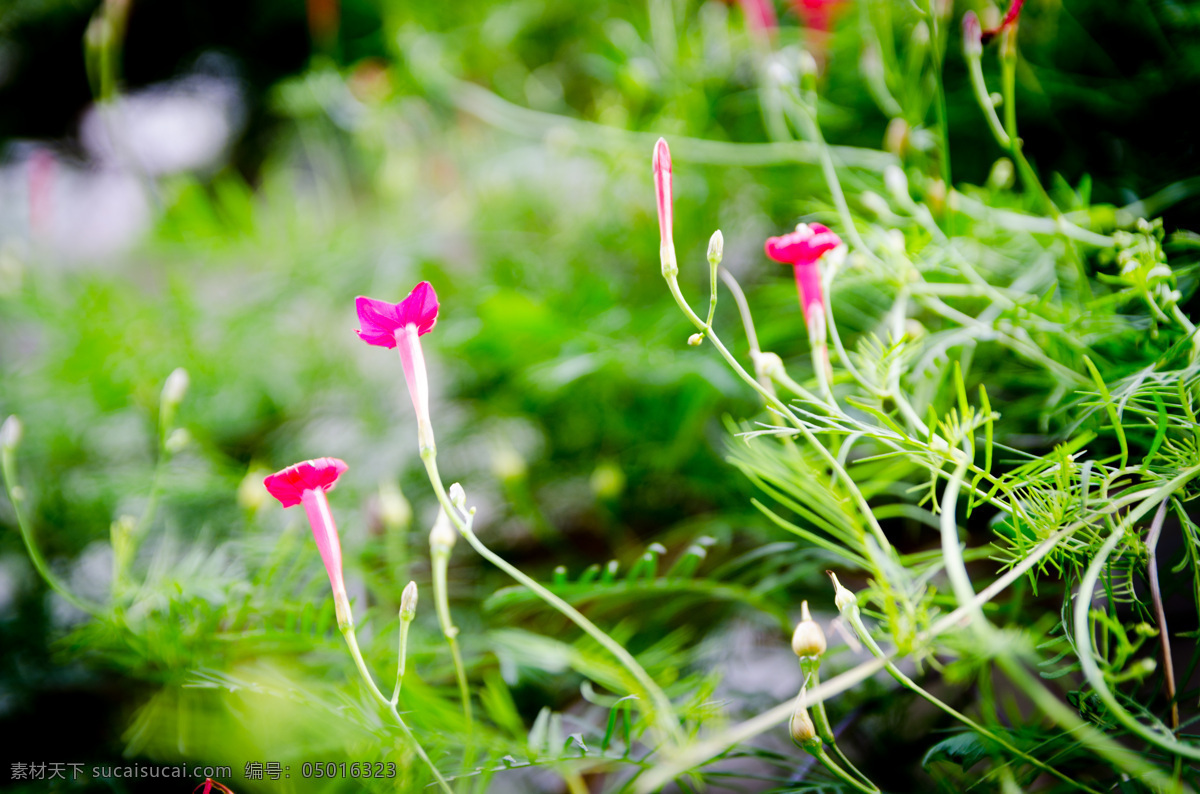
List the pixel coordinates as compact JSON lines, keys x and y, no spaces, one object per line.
{"x":843,"y":597}
{"x":394,"y":509}
{"x":458,"y":497}
{"x":920,"y":35}
{"x":716,"y":248}
{"x":897,"y":184}
{"x":177,"y":441}
{"x":801,"y":727}
{"x":895,"y":138}
{"x":10,"y":434}
{"x":251,"y":494}
{"x":442,"y":536}
{"x":972,"y":33}
{"x":808,"y":639}
{"x":408,"y":602}
{"x":768,"y":365}
{"x":695,"y":339}
{"x":1001,"y":175}
{"x":874,"y":203}
{"x":176,"y":386}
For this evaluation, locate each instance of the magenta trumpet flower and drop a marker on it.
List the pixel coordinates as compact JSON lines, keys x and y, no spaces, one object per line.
{"x":306,"y":483}
{"x":803,"y":249}
{"x":1010,"y":20}
{"x":401,"y":325}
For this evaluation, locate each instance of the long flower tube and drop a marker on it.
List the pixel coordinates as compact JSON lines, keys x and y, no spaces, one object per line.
{"x":305,"y":484}
{"x":415,"y":315}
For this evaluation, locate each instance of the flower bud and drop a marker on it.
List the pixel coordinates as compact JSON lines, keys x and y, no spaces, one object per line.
{"x":972,"y":33}
{"x":442,"y":536}
{"x":10,"y":434}
{"x":808,"y":639}
{"x":458,"y":497}
{"x":408,"y":602}
{"x":895,"y":138}
{"x":394,"y":509}
{"x":843,"y":597}
{"x":695,"y":339}
{"x":897,"y":184}
{"x":177,"y":441}
{"x":716,"y":248}
{"x":175,"y":387}
{"x":801,"y":727}
{"x":251,"y":493}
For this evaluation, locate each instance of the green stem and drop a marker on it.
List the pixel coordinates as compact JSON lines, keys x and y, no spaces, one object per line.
{"x":661,"y":703}
{"x":402,"y":656}
{"x":837,"y":770}
{"x":440,"y":561}
{"x":352,"y":644}
{"x":775,"y":403}
{"x":16,"y":495}
{"x":1087,"y":657}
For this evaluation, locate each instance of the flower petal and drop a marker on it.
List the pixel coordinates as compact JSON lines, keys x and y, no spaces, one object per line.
{"x":288,"y":485}
{"x":419,"y":307}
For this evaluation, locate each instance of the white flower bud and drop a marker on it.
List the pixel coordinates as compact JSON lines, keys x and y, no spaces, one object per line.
{"x":458,"y":497}
{"x":442,"y":536}
{"x":695,"y":339}
{"x":175,"y":387}
{"x":897,"y":184}
{"x":10,"y":433}
{"x":408,"y":602}
{"x":177,"y":441}
{"x":808,"y":639}
{"x":394,"y":509}
{"x":716,"y":248}
{"x":801,"y":727}
{"x":843,"y":597}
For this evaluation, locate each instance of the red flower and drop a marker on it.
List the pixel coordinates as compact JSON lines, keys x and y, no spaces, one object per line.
{"x":661,"y":164}
{"x":391,"y":324}
{"x":381,"y":321}
{"x":306,"y":483}
{"x":802,"y":249}
{"x":1010,"y":19}
{"x":289,"y":485}
{"x":816,"y":14}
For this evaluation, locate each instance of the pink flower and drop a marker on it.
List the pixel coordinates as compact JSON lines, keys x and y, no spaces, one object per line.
{"x":802,"y":249}
{"x":1010,"y":20}
{"x":816,"y":14}
{"x":306,"y":483}
{"x":401,"y":325}
{"x":381,"y":320}
{"x":666,"y":217}
{"x":760,"y":14}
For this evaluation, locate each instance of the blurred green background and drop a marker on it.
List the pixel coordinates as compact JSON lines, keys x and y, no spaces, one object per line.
{"x":355,"y":154}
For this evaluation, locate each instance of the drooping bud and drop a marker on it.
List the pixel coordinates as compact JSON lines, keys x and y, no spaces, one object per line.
{"x":695,"y":339}
{"x":843,"y":597}
{"x":802,"y":729}
{"x":442,"y":536}
{"x":972,"y":34}
{"x":458,"y":497}
{"x":716,"y":248}
{"x":808,"y":639}
{"x":665,"y":199}
{"x":408,"y":602}
{"x":10,"y":434}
